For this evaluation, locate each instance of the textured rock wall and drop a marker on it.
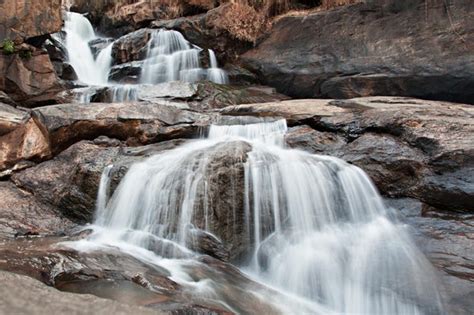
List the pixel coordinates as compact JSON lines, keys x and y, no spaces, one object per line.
{"x":22,"y":19}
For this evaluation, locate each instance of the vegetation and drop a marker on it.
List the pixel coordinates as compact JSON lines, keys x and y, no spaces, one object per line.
{"x":8,"y":47}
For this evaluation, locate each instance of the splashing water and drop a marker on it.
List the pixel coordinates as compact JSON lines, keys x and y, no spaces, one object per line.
{"x":313,"y":227}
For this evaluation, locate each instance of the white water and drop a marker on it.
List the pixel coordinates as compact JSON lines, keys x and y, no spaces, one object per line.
{"x":316,"y":227}
{"x":90,"y":70}
{"x":170,"y":58}
{"x":214,"y":73}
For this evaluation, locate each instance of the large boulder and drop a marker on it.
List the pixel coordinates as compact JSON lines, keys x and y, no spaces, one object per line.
{"x":409,"y":147}
{"x":414,"y":49}
{"x":30,"y":79}
{"x":23,"y":19}
{"x":21,"y":138}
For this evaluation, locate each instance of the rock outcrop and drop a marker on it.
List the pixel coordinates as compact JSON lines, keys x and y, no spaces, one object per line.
{"x":361,"y":50}
{"x":23,"y":19}
{"x":30,"y":80}
{"x":21,"y":139}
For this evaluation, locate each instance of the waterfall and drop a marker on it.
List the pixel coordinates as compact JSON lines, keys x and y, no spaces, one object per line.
{"x":214,"y":73}
{"x":314,"y":227}
{"x":170,"y":57}
{"x":90,"y":70}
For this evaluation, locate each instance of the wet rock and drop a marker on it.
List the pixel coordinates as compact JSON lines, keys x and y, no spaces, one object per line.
{"x":41,"y":299}
{"x":31,"y":81}
{"x":206,"y":243}
{"x":446,"y":239}
{"x":126,"y":73}
{"x":21,"y":138}
{"x":97,"y":45}
{"x":131,"y":47}
{"x":314,"y":141}
{"x":331,"y":55}
{"x":21,"y":19}
{"x":21,"y":214}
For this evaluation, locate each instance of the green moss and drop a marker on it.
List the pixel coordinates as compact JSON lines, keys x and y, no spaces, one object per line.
{"x":8,"y":47}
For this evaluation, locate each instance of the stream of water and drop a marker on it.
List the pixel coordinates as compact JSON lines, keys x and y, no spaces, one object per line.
{"x":311,"y":227}
{"x":170,"y":57}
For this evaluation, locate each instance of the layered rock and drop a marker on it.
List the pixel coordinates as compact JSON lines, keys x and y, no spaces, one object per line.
{"x":23,"y":19}
{"x":361,"y":50}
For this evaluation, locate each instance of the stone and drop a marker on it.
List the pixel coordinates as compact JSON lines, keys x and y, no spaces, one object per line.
{"x":131,"y":47}
{"x":41,"y":299}
{"x":21,"y":138}
{"x":421,"y":50}
{"x":22,"y":214}
{"x":23,"y":19}
{"x":446,"y":239}
{"x":30,"y":81}
{"x":138,"y":122}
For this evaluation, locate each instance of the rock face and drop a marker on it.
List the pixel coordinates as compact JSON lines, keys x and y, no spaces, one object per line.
{"x":22,"y":19}
{"x":21,"y":139}
{"x":409,"y":147}
{"x":31,"y":81}
{"x":363,"y":50}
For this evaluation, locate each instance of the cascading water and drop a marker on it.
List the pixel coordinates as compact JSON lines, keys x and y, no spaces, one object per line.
{"x":214,"y":73}
{"x":89,"y":70}
{"x":314,"y":226}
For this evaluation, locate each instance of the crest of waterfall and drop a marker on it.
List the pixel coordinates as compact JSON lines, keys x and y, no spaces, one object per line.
{"x":214,"y":73}
{"x":316,"y":226}
{"x":79,"y":32}
{"x":170,"y":57}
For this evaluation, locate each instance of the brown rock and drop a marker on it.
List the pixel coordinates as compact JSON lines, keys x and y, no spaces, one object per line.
{"x":409,"y":48}
{"x":138,"y":123}
{"x":21,"y":138}
{"x":30,"y":81}
{"x":22,"y":214}
{"x":22,"y":19}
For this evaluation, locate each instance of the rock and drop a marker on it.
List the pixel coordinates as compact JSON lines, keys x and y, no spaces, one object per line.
{"x":22,"y":214}
{"x":139,"y":123}
{"x":331,"y":54}
{"x":409,"y":147}
{"x":206,"y":243}
{"x":99,"y":44}
{"x":446,"y":239}
{"x":5,"y":99}
{"x":131,"y":47}
{"x":30,"y":81}
{"x":126,"y":73}
{"x":41,"y":299}
{"x":21,"y":138}
{"x":22,"y":19}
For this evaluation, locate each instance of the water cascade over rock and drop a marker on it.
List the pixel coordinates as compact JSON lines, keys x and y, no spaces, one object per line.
{"x":312,"y":227}
{"x":170,"y":57}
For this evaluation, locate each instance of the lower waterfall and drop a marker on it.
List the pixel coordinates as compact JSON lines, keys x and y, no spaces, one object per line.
{"x":311,"y":227}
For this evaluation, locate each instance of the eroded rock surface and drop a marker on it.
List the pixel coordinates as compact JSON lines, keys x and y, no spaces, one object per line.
{"x":411,"y":48}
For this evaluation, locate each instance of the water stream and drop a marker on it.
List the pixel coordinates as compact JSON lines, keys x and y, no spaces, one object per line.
{"x":170,"y":57}
{"x":312,"y":227}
